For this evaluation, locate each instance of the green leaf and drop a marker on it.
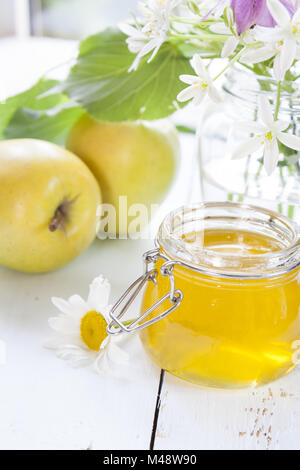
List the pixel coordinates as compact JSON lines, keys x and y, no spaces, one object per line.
{"x":185,"y":129}
{"x":36,"y":98}
{"x":288,"y":152}
{"x":101,"y":84}
{"x":207,"y":50}
{"x":40,"y":125}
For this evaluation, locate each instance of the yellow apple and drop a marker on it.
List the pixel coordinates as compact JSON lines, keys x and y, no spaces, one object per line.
{"x":137,"y":160}
{"x":48,"y":204}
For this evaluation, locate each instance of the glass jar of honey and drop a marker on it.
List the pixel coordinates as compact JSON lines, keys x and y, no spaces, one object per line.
{"x":221,"y":305}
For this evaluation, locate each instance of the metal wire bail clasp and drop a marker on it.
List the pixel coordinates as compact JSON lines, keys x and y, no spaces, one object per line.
{"x":174,"y":296}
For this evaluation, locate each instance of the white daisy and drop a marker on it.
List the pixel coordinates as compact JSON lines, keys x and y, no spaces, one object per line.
{"x":266,"y":136}
{"x":152,"y":32}
{"x":200,"y":84}
{"x":81,"y":326}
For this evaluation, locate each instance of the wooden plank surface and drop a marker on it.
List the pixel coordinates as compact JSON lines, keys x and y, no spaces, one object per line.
{"x":44,"y":403}
{"x":266,"y":418}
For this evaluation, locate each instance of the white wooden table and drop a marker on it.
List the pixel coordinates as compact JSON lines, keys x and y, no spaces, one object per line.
{"x":45,"y":404}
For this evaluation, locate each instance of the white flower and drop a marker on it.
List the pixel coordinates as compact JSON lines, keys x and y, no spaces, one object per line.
{"x":262,"y":52}
{"x":228,"y":28}
{"x":266,"y":136}
{"x":153,"y":32}
{"x":231,"y":43}
{"x":282,"y":41}
{"x":234,"y":40}
{"x":81,"y":326}
{"x":200,"y":84}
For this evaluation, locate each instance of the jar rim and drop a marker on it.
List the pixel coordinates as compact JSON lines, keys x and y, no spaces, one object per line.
{"x":226,"y":264}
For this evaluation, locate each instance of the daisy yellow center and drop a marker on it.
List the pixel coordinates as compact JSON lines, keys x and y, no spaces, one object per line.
{"x":204,"y":85}
{"x":295,"y":30}
{"x":93,"y":330}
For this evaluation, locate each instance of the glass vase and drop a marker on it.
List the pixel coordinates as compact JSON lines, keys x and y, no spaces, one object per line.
{"x":245,"y":180}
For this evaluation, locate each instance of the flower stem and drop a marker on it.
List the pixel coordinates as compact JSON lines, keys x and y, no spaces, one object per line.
{"x":204,"y":35}
{"x":291,"y":212}
{"x":277,"y":101}
{"x":193,"y":21}
{"x":233,"y":60}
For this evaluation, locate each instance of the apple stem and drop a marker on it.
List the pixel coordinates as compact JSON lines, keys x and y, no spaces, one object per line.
{"x":61,"y":215}
{"x":58,"y":220}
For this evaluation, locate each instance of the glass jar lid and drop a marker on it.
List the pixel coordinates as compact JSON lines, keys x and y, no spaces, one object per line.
{"x":181,"y":238}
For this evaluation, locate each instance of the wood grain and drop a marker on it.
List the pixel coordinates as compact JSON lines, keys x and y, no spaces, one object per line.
{"x":266,"y":418}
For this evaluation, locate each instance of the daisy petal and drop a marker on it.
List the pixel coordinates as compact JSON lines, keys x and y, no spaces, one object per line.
{"x":117,"y":355}
{"x":101,"y":365}
{"x":62,"y":324}
{"x":60,"y":341}
{"x":99,"y":293}
{"x":81,"y":361}
{"x":68,"y":351}
{"x":61,"y":305}
{"x":106,"y":342}
{"x":76,"y":301}
{"x":78,"y":305}
{"x":75,"y":354}
{"x":105,"y":312}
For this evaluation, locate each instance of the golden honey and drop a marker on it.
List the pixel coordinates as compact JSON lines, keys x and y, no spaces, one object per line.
{"x":239,"y":316}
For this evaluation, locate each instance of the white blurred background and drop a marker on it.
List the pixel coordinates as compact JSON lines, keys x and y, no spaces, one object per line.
{"x":69,"y":19}
{"x":37,"y":35}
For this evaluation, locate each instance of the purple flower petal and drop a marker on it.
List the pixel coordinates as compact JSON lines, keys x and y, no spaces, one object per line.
{"x":251,"y":12}
{"x":264,"y":17}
